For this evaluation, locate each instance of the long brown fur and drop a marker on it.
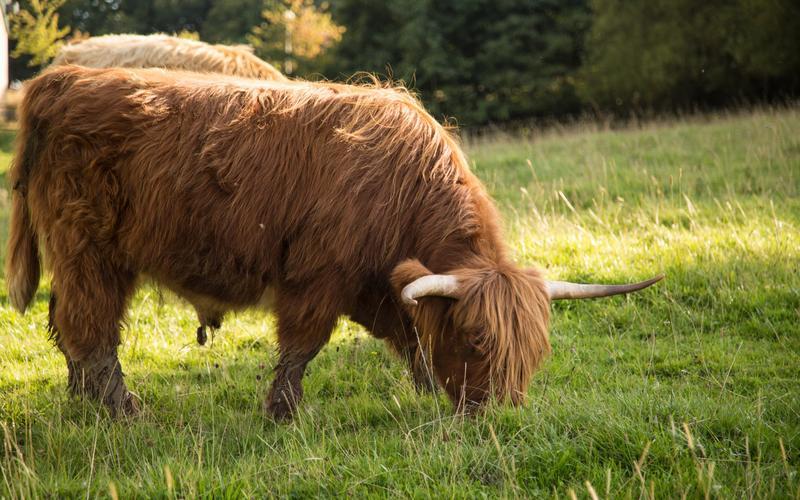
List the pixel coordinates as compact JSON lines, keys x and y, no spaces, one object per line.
{"x":329,"y":197}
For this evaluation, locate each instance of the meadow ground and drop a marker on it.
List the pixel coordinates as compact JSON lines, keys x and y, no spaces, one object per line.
{"x":691,"y":388}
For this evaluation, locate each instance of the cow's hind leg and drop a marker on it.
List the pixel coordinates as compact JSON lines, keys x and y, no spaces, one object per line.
{"x":304,"y":327}
{"x":72,"y":375}
{"x":85,"y":311}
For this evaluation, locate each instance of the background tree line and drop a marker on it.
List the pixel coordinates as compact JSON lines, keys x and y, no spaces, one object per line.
{"x":498,"y":61}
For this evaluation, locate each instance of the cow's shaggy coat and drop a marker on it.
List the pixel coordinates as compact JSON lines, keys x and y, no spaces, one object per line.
{"x":322,"y":199}
{"x":168,"y":52}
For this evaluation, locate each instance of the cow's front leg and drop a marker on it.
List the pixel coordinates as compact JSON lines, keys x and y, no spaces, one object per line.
{"x":287,"y":387}
{"x":421,"y":371}
{"x":304,"y":327}
{"x":385,"y":320}
{"x":408,"y":349}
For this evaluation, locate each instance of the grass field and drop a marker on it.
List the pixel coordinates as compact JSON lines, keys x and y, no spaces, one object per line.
{"x":691,"y":388}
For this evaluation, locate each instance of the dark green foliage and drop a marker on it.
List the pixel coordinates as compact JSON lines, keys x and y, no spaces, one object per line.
{"x":675,"y":54}
{"x":99,"y":17}
{"x":476,"y":60}
{"x":231,"y":20}
{"x":484,"y":62}
{"x":215,"y":20}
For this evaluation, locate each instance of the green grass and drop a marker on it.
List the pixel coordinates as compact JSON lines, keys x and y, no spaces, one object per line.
{"x":689,"y":388}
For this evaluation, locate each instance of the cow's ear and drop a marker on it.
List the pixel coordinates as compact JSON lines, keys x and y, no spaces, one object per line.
{"x":429,"y":314}
{"x":405,"y":272}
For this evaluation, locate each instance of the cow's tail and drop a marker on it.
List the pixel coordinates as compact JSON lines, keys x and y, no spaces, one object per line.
{"x":22,"y":258}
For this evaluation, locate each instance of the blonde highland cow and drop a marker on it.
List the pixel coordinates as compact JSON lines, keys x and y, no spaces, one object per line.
{"x":169,"y":52}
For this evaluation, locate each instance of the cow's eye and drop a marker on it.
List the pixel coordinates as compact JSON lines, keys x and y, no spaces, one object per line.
{"x":474,"y":342}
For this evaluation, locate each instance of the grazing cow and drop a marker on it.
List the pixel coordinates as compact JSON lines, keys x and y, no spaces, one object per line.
{"x":319,"y":200}
{"x":168,"y":52}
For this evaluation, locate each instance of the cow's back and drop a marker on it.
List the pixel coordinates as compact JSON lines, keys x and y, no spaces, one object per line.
{"x":221,"y":186}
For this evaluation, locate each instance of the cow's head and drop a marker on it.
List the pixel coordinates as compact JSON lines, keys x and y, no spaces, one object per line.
{"x":483,"y":329}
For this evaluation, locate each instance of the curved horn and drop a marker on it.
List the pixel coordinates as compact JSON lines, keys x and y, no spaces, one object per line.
{"x":438,"y":285}
{"x":566,"y":290}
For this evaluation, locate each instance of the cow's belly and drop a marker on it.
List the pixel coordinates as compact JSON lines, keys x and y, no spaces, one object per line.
{"x":267,"y":300}
{"x":210,"y":308}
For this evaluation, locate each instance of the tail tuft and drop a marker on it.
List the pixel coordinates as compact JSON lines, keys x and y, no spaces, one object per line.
{"x":22,"y":262}
{"x":22,"y":259}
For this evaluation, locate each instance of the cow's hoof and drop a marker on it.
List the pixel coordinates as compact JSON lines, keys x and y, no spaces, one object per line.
{"x":425,"y":385}
{"x":128,"y":407}
{"x":469,"y":408}
{"x":279,"y":408}
{"x":280,"y":411}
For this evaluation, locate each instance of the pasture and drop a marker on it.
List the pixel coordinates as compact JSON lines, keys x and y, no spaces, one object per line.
{"x":690,"y":388}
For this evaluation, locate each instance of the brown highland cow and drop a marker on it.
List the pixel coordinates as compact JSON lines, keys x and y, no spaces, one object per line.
{"x":319,"y":200}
